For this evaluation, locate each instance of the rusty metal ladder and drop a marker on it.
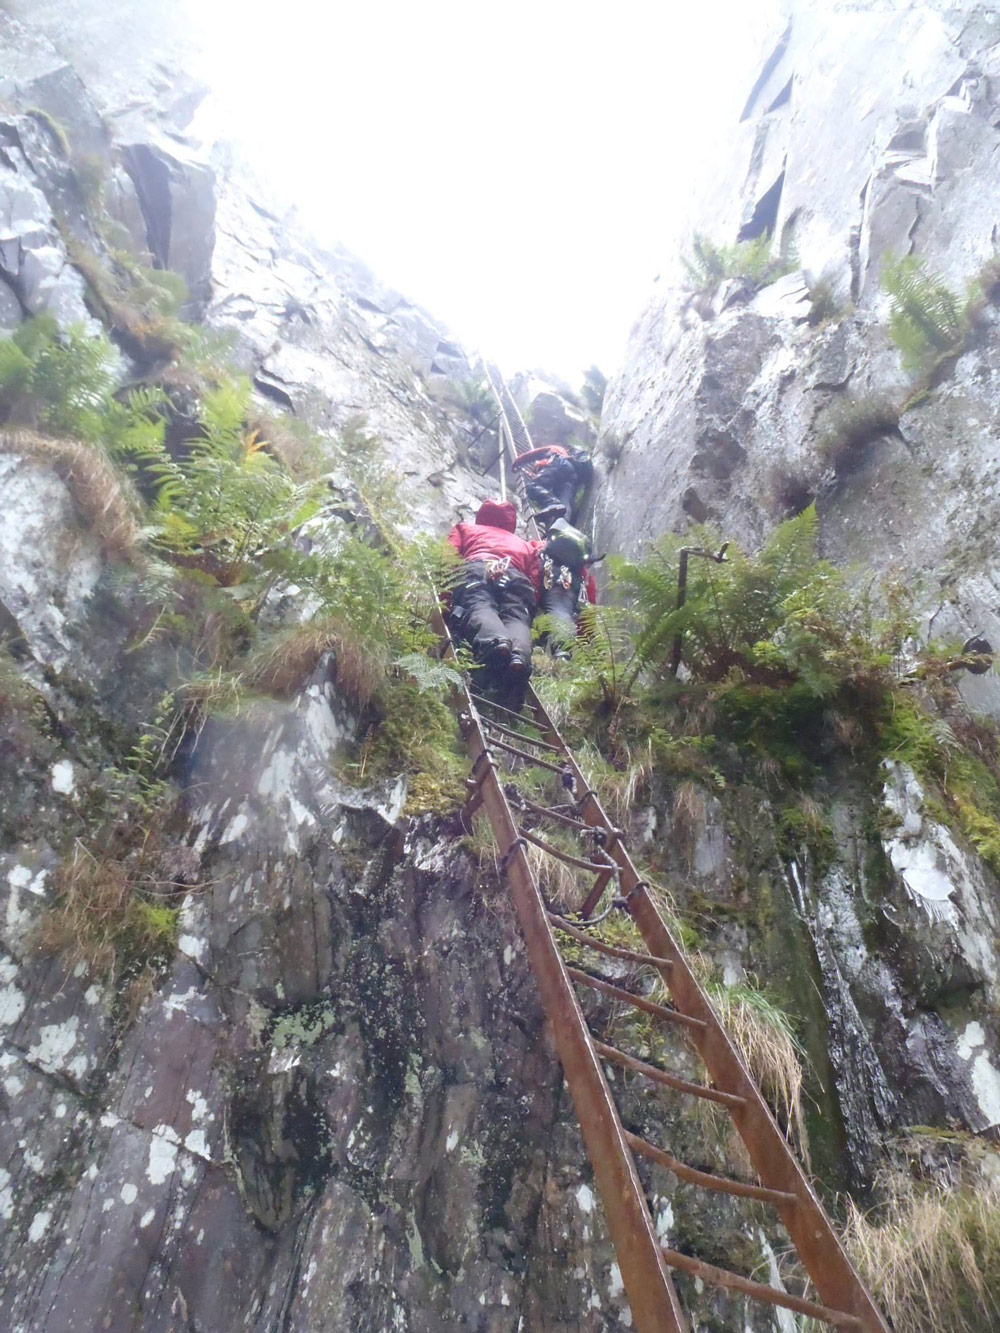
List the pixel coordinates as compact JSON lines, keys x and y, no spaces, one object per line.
{"x":492,"y":734}
{"x":514,"y":437}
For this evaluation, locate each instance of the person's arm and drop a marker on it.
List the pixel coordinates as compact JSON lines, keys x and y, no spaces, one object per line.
{"x":533,"y":456}
{"x":456,"y":538}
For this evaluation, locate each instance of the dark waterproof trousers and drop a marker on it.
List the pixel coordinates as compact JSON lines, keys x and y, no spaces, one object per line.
{"x":558,"y":483}
{"x":492,"y":612}
{"x":560,"y":600}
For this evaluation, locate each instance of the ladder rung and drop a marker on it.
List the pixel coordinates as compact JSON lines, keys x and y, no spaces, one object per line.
{"x":596,"y":866}
{"x":670,"y":1015}
{"x":633,"y":955}
{"x":721,"y":1184}
{"x":579,"y":824}
{"x":721,"y":1277}
{"x":618,"y":1057}
{"x":531,"y":740}
{"x":525,"y":754}
{"x":531,"y":721}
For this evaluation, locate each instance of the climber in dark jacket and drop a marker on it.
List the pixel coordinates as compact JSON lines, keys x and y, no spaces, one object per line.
{"x":494,"y":604}
{"x":557,"y":480}
{"x":567,"y":584}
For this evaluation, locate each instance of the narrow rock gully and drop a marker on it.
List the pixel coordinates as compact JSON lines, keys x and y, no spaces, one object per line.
{"x":502,"y":746}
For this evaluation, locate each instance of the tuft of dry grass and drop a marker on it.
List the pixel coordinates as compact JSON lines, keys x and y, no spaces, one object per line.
{"x":148,"y":337}
{"x":285,"y":664}
{"x":932,"y":1258}
{"x":100,"y":918}
{"x":288,"y":441}
{"x":763,"y":1034}
{"x":98,"y":489}
{"x":617,"y":788}
{"x":565,"y":887}
{"x":851,"y":425}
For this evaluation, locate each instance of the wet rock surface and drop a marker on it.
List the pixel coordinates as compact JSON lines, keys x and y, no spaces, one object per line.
{"x":338,"y":1107}
{"x":738,"y":405}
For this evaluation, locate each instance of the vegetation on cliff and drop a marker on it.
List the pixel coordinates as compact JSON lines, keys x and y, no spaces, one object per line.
{"x":223,"y":557}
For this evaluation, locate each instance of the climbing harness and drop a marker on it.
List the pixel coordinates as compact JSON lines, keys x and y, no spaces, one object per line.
{"x":554,"y":575}
{"x":496,"y":570}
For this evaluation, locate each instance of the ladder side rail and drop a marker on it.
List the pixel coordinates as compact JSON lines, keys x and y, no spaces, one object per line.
{"x":521,"y":443}
{"x":651,"y":1293}
{"x":508,"y":441}
{"x":811,"y":1231}
{"x":522,"y":437}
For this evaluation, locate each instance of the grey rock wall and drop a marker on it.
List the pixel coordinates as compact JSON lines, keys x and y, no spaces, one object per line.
{"x":873,"y":130}
{"x":337,"y":1108}
{"x":872,"y":133}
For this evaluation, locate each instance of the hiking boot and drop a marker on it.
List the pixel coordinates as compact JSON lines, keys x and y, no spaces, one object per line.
{"x":496,"y":654}
{"x":511,"y":693}
{"x":550,"y":514}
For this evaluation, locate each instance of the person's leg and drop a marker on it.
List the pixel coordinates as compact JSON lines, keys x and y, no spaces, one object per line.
{"x":559,"y":602}
{"x":483,"y":626}
{"x":517,"y":604}
{"x":561,"y":482}
{"x":539,"y":496}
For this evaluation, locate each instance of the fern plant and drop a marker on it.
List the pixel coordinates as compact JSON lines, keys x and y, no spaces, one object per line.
{"x":927,"y":320}
{"x":706,"y":264}
{"x":58,"y":380}
{"x":226,"y":502}
{"x":763,"y":614}
{"x":601,"y":658}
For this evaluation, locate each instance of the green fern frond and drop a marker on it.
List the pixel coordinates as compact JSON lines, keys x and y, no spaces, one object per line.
{"x":15,"y":371}
{"x":927,"y":318}
{"x":706,"y":264}
{"x":428,"y":674}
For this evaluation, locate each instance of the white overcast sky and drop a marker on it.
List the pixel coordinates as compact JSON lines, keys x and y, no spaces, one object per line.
{"x":518,"y":169}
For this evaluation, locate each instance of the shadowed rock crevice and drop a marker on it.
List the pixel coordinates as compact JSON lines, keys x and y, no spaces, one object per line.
{"x":783,"y":98}
{"x":764,"y":78}
{"x":151,"y":178}
{"x":764,"y":218}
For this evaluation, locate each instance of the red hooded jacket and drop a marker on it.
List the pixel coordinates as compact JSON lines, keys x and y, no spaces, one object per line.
{"x":493,"y":537}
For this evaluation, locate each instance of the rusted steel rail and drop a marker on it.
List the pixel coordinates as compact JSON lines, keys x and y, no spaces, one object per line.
{"x":514,"y":438}
{"x":651,"y":1292}
{"x":810,"y":1230}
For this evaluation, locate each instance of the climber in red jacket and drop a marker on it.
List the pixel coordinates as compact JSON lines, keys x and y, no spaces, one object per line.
{"x":495,"y":602}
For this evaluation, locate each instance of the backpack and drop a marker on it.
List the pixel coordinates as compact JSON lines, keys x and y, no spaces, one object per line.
{"x":566,"y":545}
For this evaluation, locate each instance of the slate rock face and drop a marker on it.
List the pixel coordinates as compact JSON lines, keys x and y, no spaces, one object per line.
{"x":336,"y":1108}
{"x":176,"y":195}
{"x":872,"y":131}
